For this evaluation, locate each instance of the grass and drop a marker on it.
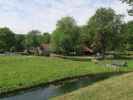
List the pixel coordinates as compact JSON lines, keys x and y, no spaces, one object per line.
{"x":25,"y":71}
{"x":115,"y":88}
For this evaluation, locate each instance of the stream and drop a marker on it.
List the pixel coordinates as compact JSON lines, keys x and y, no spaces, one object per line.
{"x":46,"y":92}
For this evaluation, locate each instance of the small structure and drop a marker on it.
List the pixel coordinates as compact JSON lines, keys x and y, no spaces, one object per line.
{"x":43,"y":50}
{"x":87,"y":51}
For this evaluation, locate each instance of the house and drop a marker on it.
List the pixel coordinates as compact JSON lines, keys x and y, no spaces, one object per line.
{"x":87,"y":51}
{"x":43,"y":50}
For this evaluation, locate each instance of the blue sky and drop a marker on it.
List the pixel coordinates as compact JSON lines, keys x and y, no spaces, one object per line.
{"x":24,"y":15}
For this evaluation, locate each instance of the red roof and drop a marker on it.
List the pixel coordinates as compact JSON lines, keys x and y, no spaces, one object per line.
{"x":86,"y":49}
{"x":44,"y":45}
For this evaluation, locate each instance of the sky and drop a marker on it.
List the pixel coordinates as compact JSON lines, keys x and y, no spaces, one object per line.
{"x":22,"y":16}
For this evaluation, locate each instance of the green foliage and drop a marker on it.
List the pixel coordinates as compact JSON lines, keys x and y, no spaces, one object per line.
{"x":128,"y":30}
{"x":106,"y":28}
{"x":105,"y":31}
{"x":66,"y":36}
{"x":7,"y":39}
{"x":86,"y":36}
{"x":46,"y":37}
{"x":20,"y":42}
{"x":33,"y":39}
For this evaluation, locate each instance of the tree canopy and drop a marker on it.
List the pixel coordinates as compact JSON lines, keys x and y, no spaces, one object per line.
{"x":128,"y":29}
{"x":106,"y":28}
{"x":65,"y":37}
{"x":20,"y":42}
{"x":46,"y":37}
{"x":7,"y":39}
{"x":33,"y":38}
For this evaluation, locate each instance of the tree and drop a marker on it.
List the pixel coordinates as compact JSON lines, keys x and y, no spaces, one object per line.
{"x":86,"y":36}
{"x":46,"y":37}
{"x":66,"y":36}
{"x":130,"y":2}
{"x":33,"y":39}
{"x":128,"y":30}
{"x":106,"y":28}
{"x":20,"y":42}
{"x":7,"y":39}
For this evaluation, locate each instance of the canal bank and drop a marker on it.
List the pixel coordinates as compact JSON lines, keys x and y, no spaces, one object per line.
{"x":56,"y":88}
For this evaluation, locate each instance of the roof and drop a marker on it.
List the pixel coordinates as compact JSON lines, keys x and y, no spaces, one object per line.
{"x":44,"y":45}
{"x":86,"y":49}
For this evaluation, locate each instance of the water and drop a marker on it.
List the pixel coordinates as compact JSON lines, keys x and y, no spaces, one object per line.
{"x":44,"y":93}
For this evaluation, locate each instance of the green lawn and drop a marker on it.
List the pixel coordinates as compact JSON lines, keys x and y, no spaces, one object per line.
{"x":24,"y":71}
{"x":115,"y":88}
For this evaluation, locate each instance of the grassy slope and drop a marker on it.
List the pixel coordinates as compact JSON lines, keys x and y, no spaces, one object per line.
{"x":23,"y":71}
{"x":116,"y":88}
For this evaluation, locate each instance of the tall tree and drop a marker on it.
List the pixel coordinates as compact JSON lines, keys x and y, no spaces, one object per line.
{"x":65,"y":37}
{"x":7,"y":39}
{"x":106,"y":25}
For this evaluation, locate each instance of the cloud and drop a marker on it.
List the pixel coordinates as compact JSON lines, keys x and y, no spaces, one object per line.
{"x":25,"y":15}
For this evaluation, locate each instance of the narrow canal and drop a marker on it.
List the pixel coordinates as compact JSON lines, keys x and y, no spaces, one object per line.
{"x":44,"y":93}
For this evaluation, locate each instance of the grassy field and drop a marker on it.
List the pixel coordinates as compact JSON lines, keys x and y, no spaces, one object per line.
{"x":25,"y":71}
{"x":115,"y":88}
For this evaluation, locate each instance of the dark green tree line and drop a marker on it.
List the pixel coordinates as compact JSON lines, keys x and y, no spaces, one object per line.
{"x":7,"y":39}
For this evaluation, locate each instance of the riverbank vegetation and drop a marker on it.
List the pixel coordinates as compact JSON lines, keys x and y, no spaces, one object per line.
{"x":114,"y":88}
